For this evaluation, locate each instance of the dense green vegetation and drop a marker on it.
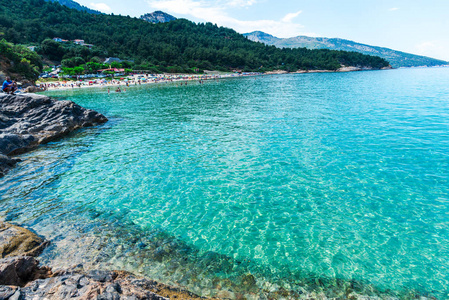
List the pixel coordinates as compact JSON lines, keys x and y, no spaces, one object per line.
{"x":75,"y":5}
{"x":18,"y":59}
{"x":177,"y":46}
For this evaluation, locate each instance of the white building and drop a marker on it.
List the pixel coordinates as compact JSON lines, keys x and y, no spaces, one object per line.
{"x":79,"y":42}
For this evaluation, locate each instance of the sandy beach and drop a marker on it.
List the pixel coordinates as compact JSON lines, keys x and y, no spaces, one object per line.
{"x":136,"y":79}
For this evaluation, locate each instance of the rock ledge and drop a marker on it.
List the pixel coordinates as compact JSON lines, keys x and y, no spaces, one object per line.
{"x":21,"y":277}
{"x":28,"y":120}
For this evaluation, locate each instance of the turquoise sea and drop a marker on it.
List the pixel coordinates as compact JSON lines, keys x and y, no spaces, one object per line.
{"x":274,"y":186}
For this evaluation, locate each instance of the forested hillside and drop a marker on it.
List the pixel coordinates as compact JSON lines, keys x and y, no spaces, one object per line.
{"x":75,"y":5}
{"x":179,"y":45}
{"x":18,"y":61}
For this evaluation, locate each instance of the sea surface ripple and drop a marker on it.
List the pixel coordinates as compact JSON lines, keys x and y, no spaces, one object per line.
{"x":277,"y":184}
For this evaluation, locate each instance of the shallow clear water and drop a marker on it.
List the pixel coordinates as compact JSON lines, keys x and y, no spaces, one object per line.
{"x":276,"y":185}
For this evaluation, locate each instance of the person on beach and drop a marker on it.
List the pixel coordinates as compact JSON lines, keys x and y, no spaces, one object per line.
{"x":108,"y":91}
{"x":9,"y":86}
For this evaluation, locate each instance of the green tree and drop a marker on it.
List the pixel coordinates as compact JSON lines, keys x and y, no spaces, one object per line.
{"x":52,"y":49}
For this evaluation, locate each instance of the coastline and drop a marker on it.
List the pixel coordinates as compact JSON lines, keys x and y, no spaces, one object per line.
{"x":22,"y":276}
{"x":256,"y":277}
{"x":145,"y":79}
{"x":361,"y":298}
{"x":138,"y":79}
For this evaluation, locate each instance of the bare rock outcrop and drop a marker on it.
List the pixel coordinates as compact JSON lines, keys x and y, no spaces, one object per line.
{"x":33,"y":89}
{"x":15,"y":240}
{"x":19,"y":270}
{"x":28,"y":120}
{"x":21,"y":276}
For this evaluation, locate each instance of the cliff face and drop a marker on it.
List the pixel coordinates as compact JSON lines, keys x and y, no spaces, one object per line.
{"x":29,"y":120}
{"x":158,"y":17}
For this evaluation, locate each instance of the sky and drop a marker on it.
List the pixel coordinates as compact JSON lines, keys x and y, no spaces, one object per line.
{"x":413,"y":26}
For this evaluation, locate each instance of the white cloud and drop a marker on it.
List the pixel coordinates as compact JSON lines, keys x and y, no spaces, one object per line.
{"x":241,"y":3}
{"x":393,"y":8}
{"x":103,"y":7}
{"x":183,"y":7}
{"x":216,"y":12}
{"x":291,"y":16}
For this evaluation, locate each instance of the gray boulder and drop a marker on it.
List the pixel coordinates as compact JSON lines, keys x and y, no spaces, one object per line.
{"x":17,"y":270}
{"x":28,"y":120}
{"x":21,"y":277}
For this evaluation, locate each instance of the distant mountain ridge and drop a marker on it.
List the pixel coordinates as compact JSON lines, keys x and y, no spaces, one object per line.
{"x":397,"y":59}
{"x":157,"y":17}
{"x":75,"y":5}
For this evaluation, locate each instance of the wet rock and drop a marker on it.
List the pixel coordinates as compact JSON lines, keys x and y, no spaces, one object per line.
{"x":144,"y":283}
{"x":28,"y":120}
{"x":129,"y":298}
{"x":109,"y":296}
{"x":11,"y":142}
{"x":226,"y":294}
{"x":21,"y":277}
{"x":17,"y":295}
{"x":83,"y":286}
{"x":17,"y":270}
{"x":216,"y":262}
{"x":15,"y":240}
{"x":7,"y":291}
{"x":113,"y":288}
{"x":248,"y":280}
{"x":102,"y":276}
{"x":6,"y":163}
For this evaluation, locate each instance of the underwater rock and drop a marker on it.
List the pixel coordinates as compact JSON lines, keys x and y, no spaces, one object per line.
{"x":6,"y":163}
{"x":15,"y":240}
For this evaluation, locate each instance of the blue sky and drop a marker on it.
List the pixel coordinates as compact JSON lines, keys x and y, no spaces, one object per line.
{"x":414,"y":26}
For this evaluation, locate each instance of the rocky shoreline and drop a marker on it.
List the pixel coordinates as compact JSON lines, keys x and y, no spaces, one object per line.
{"x":21,"y":276}
{"x":28,"y":120}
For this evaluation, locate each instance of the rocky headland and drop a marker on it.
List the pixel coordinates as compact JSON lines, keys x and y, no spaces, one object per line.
{"x":28,"y":120}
